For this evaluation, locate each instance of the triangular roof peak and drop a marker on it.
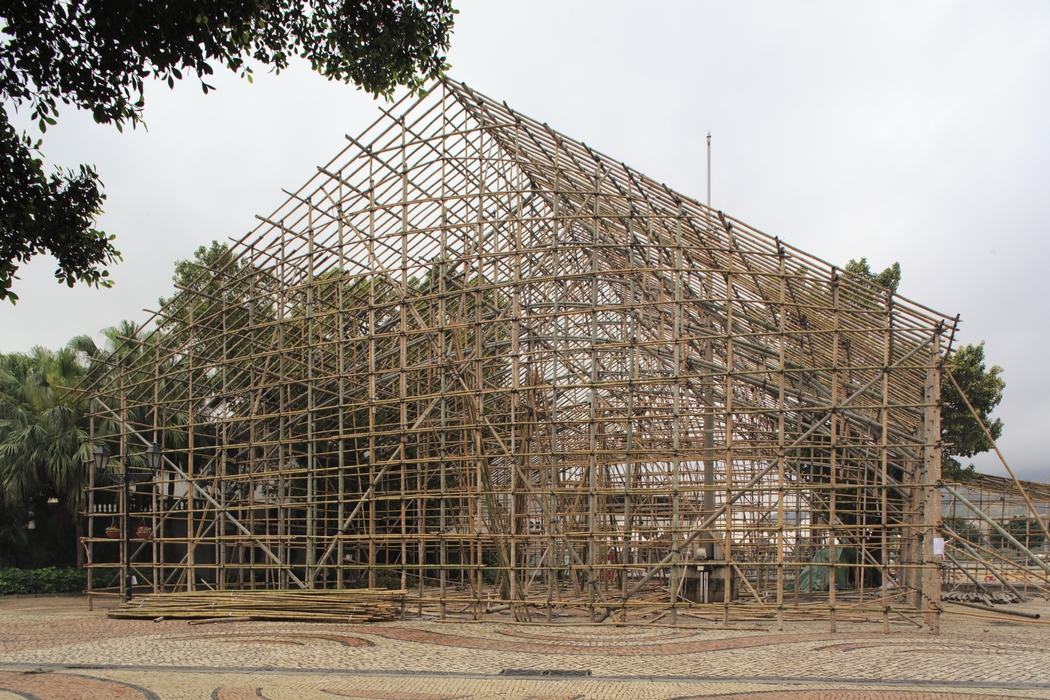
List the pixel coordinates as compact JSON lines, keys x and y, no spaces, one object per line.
{"x":437,"y":176}
{"x":460,"y":180}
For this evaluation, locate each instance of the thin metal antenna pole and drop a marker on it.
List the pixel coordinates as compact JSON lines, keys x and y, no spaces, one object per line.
{"x":708,"y":169}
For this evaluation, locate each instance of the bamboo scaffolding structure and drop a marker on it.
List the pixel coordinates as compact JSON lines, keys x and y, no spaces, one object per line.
{"x":478,"y":361}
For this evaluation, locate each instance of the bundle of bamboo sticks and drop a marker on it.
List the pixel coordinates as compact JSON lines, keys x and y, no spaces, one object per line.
{"x":345,"y":605}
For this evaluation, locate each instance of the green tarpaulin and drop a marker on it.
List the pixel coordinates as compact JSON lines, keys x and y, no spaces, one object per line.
{"x":815,"y":576}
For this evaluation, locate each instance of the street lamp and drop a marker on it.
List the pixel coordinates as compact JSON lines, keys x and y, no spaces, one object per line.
{"x":101,"y":455}
{"x":154,"y":457}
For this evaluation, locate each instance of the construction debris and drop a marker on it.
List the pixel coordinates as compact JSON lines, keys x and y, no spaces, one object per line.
{"x":989,"y":599}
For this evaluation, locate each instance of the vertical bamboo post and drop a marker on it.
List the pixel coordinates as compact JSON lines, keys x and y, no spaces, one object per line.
{"x":931,"y":488}
{"x":781,"y":367}
{"x":729,"y":427}
{"x":125,"y":506}
{"x":191,"y":541}
{"x":92,"y":505}
{"x":372,"y":427}
{"x":341,"y":369}
{"x":519,"y":436}
{"x":402,"y":374}
{"x":678,"y":358}
{"x":158,"y":479}
{"x":629,"y":449}
{"x":311,"y":458}
{"x":555,"y":505}
{"x":832,"y":531}
{"x":442,"y":311}
{"x":255,"y":396}
{"x":284,"y":442}
{"x":884,"y":475}
{"x":592,"y":426}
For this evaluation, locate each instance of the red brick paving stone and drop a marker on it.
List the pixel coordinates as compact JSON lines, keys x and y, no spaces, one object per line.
{"x":68,"y":686}
{"x":391,"y":695}
{"x":847,"y":694}
{"x":405,"y":634}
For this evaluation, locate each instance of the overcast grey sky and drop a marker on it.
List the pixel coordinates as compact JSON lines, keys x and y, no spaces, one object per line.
{"x":910,"y":132}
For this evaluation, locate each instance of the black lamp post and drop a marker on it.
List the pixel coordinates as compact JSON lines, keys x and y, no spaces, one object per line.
{"x":154,"y":456}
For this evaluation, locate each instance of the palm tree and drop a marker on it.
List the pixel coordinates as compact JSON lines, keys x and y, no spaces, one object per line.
{"x":43,"y":437}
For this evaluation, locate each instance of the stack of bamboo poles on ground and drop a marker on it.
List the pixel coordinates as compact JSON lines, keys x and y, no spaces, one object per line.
{"x":346,"y":605}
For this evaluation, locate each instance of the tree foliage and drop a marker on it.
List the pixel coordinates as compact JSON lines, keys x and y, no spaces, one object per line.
{"x":41,"y":214}
{"x":42,"y":446}
{"x":44,"y":449}
{"x":97,"y":55}
{"x":889,"y":278}
{"x":960,"y":432}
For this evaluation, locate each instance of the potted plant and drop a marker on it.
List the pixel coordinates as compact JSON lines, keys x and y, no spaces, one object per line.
{"x":143,"y":532}
{"x":112,"y":532}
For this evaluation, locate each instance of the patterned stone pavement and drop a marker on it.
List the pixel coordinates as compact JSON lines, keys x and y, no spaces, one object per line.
{"x":55,"y":648}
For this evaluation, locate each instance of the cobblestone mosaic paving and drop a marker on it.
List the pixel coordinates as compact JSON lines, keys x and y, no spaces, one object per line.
{"x":55,"y":648}
{"x":848,"y":695}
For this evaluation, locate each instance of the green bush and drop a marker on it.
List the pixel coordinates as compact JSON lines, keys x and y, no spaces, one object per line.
{"x":388,"y":578}
{"x":49,"y":580}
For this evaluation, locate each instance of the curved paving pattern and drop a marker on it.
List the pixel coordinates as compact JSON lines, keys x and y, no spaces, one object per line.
{"x":88,"y":656}
{"x":673,"y":642}
{"x":288,"y":638}
{"x":603,"y":646}
{"x":576,"y":636}
{"x":32,"y":632}
{"x":68,"y":686}
{"x":847,"y":695}
{"x":987,"y":646}
{"x":391,"y":695}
